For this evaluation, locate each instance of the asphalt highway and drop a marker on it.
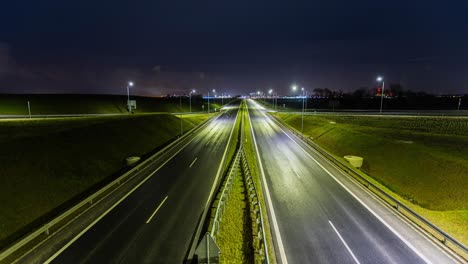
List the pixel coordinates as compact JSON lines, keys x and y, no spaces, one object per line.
{"x":319,"y":216}
{"x":156,"y":223}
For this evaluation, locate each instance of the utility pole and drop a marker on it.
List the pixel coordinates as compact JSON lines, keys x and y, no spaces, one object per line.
{"x":29,"y":110}
{"x":180,"y":105}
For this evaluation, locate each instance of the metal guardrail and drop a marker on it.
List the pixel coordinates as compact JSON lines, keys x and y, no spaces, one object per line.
{"x":260,"y":245}
{"x":436,"y":232}
{"x":232,"y":146}
{"x":62,"y":220}
{"x":225,"y":195}
{"x":240,"y":165}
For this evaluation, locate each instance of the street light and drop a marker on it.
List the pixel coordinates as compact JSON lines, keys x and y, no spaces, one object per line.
{"x":190,"y":101}
{"x":214,"y":91}
{"x":129,"y":84}
{"x":381,"y":79}
{"x":294,"y":88}
{"x":270,"y":92}
{"x":303,"y":110}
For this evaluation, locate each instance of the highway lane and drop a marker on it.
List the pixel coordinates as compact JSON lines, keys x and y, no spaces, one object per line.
{"x":156,"y":223}
{"x":319,"y":217}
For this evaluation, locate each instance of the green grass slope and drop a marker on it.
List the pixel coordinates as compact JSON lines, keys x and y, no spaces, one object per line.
{"x":48,"y":104}
{"x":424,"y":159}
{"x":46,"y":162}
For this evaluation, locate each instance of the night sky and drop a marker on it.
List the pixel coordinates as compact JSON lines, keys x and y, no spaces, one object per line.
{"x":232,"y":46}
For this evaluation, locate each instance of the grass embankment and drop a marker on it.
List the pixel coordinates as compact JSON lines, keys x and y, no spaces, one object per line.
{"x":421,"y":160}
{"x":52,"y":104}
{"x":46,"y":162}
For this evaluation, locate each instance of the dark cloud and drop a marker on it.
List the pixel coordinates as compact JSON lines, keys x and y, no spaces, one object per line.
{"x":95,"y":46}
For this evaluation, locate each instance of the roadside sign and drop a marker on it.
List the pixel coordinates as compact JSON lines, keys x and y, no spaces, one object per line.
{"x":207,"y":251}
{"x":132,"y":104}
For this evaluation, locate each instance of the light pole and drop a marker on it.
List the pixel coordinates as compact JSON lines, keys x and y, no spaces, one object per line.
{"x":303,"y":108}
{"x":294,"y":88}
{"x":129,"y":84}
{"x":380,"y":79}
{"x":214,"y":96}
{"x":214,"y":91}
{"x":180,"y":106}
{"x":190,"y":100}
{"x":270,"y":92}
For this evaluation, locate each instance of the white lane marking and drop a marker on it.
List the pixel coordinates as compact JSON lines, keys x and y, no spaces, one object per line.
{"x":267,"y":192}
{"x":344,"y":242}
{"x":222,"y":162}
{"x":155,"y":211}
{"x":112,"y":207}
{"x":415,"y":250}
{"x":191,"y":164}
{"x":198,"y":231}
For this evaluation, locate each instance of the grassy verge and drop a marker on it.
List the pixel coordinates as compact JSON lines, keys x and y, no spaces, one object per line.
{"x":250,"y":154}
{"x":421,"y":161}
{"x":235,"y":232}
{"x":236,"y":235}
{"x":234,"y":238}
{"x":46,"y":162}
{"x":48,"y":104}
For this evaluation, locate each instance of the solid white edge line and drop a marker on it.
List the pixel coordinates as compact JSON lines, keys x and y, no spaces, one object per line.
{"x":157,"y":209}
{"x":344,"y":242}
{"x":56,"y":254}
{"x":222,"y":162}
{"x":415,"y":250}
{"x":191,"y":164}
{"x":198,"y":229}
{"x":267,"y":192}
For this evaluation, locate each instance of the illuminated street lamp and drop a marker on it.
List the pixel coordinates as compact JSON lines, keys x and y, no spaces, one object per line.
{"x":380,"y":79}
{"x":129,"y":84}
{"x":214,"y":91}
{"x":190,"y":101}
{"x":270,"y":92}
{"x":303,"y":110}
{"x":294,"y":88}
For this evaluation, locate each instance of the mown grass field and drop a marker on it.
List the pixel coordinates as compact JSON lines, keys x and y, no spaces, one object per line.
{"x":46,"y":162}
{"x":51,"y":104}
{"x":422,"y":159}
